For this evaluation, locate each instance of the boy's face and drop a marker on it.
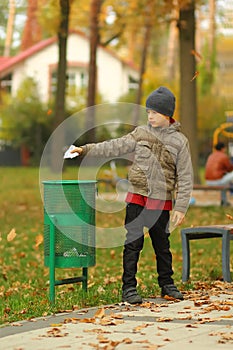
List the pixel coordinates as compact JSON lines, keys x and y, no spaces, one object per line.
{"x":156,"y":119}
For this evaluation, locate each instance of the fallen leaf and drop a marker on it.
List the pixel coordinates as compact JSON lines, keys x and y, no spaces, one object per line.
{"x":71,"y":320}
{"x":227,"y":302}
{"x":24,"y":311}
{"x":56,"y":333}
{"x":39,"y":240}
{"x":11,"y":235}
{"x":117,"y":316}
{"x":112,"y":254}
{"x":96,"y":330}
{"x":167,"y":297}
{"x":224,"y":337}
{"x":189,"y":317}
{"x":144,"y":341}
{"x":200,"y":302}
{"x":102,"y":339}
{"x":226,"y":316}
{"x":100,"y":313}
{"x":140,"y":327}
{"x":195,"y":76}
{"x":162,"y":328}
{"x":196,"y":54}
{"x":87,"y":320}
{"x":230,"y":217}
{"x":127,"y":341}
{"x":206,"y":320}
{"x":191,"y":326}
{"x":164,"y":319}
{"x":109,"y":321}
{"x":147,"y":304}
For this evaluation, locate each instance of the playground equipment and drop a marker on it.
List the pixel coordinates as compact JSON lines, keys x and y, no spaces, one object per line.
{"x":226,"y":129}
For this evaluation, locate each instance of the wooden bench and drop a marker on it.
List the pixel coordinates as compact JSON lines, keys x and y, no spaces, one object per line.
{"x":225,"y":232}
{"x":212,"y":188}
{"x":199,"y":187}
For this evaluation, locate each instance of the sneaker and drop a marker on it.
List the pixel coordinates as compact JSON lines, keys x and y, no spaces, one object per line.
{"x":131,"y":296}
{"x":171,"y":291}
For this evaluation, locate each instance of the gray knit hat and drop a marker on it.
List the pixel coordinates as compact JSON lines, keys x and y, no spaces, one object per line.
{"x":162,"y":101}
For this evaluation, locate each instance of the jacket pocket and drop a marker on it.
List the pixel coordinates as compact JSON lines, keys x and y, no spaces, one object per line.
{"x":169,"y":156}
{"x":143,"y":149}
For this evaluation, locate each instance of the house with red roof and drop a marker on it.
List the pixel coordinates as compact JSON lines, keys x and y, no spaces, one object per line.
{"x":115,"y":76}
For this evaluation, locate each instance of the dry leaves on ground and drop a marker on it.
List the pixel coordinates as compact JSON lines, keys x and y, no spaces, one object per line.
{"x":11,"y":235}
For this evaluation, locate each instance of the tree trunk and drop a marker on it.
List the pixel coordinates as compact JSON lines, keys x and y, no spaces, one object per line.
{"x":172,"y":46}
{"x":188,"y":104}
{"x":92,"y":81}
{"x":146,"y":44}
{"x":32,"y":32}
{"x":212,"y":30}
{"x":59,"y":110}
{"x":10,"y":27}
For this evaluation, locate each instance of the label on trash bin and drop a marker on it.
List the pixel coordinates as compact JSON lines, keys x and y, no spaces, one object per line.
{"x":73,"y":252}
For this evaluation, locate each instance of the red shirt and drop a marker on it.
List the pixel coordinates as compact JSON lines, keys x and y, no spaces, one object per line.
{"x":149,"y":203}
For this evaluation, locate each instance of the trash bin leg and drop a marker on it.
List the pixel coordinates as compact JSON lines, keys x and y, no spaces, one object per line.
{"x":52,"y":263}
{"x":85,"y":277}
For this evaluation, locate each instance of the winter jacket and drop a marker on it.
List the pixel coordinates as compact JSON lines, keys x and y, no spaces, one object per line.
{"x":217,"y":165}
{"x":162,"y":162}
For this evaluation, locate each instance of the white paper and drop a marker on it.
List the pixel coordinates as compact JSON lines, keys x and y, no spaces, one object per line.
{"x":68,"y":153}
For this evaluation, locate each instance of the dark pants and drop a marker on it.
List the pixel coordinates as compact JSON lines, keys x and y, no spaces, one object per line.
{"x":137,"y":217}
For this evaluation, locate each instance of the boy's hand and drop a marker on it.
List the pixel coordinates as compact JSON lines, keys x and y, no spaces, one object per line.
{"x":79,"y":150}
{"x":177,"y":218}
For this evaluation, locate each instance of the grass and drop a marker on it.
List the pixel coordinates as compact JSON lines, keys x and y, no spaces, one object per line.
{"x":24,"y":278}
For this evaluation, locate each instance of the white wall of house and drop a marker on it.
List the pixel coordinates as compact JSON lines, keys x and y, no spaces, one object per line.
{"x":37,"y":67}
{"x":112,"y":73}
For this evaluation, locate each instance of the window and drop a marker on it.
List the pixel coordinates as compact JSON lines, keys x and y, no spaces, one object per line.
{"x":83,"y":79}
{"x":75,"y":79}
{"x":133,"y":83}
{"x":6,"y":83}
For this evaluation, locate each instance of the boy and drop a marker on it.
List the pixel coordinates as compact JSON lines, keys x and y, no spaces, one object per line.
{"x":162,"y":166}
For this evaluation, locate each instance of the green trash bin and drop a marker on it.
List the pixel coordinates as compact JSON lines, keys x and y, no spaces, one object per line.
{"x":69,"y":229}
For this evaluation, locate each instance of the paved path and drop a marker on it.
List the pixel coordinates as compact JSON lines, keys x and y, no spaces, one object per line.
{"x":201,"y":322}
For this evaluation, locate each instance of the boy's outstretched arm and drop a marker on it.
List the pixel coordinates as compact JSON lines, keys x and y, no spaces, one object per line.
{"x":77,"y":149}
